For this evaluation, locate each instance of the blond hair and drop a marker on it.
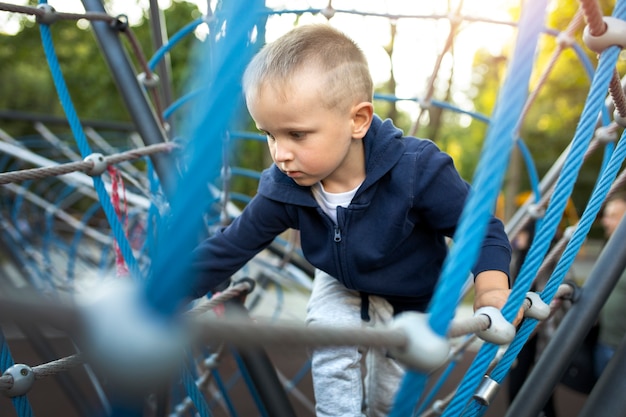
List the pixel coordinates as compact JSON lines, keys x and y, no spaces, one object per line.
{"x":339,"y":59}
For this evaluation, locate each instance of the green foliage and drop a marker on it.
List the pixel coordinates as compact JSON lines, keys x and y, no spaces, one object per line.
{"x":27,"y":83}
{"x":550,"y":124}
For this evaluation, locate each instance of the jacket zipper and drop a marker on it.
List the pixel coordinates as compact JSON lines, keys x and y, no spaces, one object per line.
{"x":337,"y":237}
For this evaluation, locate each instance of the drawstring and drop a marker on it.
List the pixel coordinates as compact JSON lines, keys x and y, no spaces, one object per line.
{"x":365,"y":307}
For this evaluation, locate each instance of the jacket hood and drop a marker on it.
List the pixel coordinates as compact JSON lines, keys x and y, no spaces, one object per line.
{"x":384,"y":145}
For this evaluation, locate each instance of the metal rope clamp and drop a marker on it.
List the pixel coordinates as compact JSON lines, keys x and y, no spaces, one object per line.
{"x":538,"y":308}
{"x":23,"y":379}
{"x":99,"y":164}
{"x":486,"y":391}
{"x":614,"y":35}
{"x":49,"y":15}
{"x":425,"y":350}
{"x":148,"y":82}
{"x":500,"y":331}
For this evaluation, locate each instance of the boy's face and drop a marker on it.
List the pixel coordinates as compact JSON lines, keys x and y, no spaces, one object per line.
{"x":307,"y":141}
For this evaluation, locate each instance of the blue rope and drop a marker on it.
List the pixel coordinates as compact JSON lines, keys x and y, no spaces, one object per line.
{"x":194,"y":394}
{"x":567,"y":259}
{"x":302,"y":372}
{"x":206,"y":128}
{"x":177,"y":37}
{"x":530,"y":168}
{"x":435,"y":389}
{"x":224,"y":391}
{"x":498,"y":144}
{"x":250,"y":384}
{"x":563,"y":189}
{"x":177,"y":104}
{"x":436,"y":103}
{"x":487,"y":182}
{"x":491,"y":169}
{"x":154,"y":221}
{"x":81,"y":141}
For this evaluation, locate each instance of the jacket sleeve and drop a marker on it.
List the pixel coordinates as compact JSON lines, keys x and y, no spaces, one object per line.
{"x":218,"y":257}
{"x":441,"y":195}
{"x":495,"y":252}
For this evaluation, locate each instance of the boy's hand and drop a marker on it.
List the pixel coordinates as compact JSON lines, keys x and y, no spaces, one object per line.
{"x":491,"y":288}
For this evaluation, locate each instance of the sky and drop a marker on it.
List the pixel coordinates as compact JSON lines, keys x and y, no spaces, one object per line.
{"x":418,"y":41}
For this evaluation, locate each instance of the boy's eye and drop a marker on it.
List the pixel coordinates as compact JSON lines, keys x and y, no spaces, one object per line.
{"x":296,"y":135}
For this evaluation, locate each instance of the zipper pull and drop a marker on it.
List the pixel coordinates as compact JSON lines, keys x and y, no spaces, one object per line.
{"x":337,"y":234}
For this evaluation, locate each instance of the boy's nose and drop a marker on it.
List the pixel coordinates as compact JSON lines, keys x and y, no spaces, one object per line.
{"x":282,"y":153}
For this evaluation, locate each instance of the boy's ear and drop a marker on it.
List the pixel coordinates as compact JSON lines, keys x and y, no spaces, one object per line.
{"x":362,"y":115}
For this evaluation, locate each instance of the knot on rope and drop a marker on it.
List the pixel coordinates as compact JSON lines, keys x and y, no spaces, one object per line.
{"x":565,"y":40}
{"x":455,"y":18}
{"x":606,"y":134}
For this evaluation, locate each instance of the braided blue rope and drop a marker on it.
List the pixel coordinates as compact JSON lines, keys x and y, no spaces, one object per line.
{"x":567,"y":259}
{"x":85,"y":150}
{"x":563,"y":188}
{"x":232,"y":412}
{"x":220,"y":89}
{"x":21,"y":404}
{"x":436,"y":103}
{"x":530,"y":168}
{"x":435,"y":389}
{"x":491,"y":169}
{"x":250,"y":384}
{"x":194,"y":394}
{"x":558,"y":202}
{"x":153,"y":223}
{"x":487,"y":182}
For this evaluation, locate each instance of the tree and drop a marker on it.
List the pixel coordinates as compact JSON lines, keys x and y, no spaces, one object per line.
{"x":550,"y":123}
{"x":27,"y":83}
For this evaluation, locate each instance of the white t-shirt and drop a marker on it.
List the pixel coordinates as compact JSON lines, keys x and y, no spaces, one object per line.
{"x":330,"y":201}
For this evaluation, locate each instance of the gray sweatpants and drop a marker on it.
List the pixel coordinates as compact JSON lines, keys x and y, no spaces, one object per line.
{"x":341,"y":390}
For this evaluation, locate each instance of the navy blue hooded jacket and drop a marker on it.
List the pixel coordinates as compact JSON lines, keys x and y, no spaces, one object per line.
{"x":390,"y":240}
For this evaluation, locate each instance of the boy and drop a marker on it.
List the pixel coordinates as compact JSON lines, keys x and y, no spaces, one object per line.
{"x":373,"y":209}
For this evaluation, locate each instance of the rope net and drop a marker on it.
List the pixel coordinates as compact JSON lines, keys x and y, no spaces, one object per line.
{"x":82,"y":206}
